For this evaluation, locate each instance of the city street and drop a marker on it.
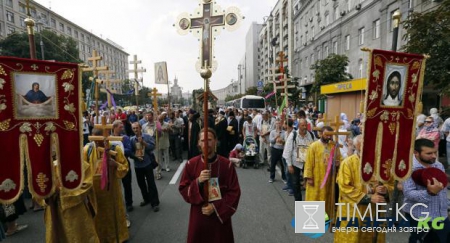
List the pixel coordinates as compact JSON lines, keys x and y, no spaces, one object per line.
{"x":264,"y":214}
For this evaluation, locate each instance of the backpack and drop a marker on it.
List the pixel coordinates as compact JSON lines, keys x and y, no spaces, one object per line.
{"x":295,"y":137}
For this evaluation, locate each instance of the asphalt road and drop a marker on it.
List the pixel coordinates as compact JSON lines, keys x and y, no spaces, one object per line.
{"x":264,"y":214}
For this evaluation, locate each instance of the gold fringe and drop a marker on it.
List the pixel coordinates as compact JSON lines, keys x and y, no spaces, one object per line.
{"x":419,"y":108}
{"x":394,"y":157}
{"x":366,"y":49}
{"x":379,"y":142}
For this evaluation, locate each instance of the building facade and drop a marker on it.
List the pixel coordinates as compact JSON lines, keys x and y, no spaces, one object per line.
{"x":250,"y":69}
{"x":231,"y":89}
{"x":276,"y":35}
{"x":13,"y":14}
{"x":175,"y":90}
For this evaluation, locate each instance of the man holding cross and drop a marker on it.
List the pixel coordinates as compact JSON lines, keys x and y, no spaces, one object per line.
{"x":110,"y":219}
{"x":319,"y":182}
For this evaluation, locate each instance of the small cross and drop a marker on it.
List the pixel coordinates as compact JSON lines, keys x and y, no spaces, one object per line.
{"x":155,"y":94}
{"x":336,"y":124}
{"x":34,"y":67}
{"x":28,"y":7}
{"x":41,"y":181}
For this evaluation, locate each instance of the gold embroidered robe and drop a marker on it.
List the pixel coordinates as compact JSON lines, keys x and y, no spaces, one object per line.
{"x":316,"y":163}
{"x":73,"y":213}
{"x":352,"y":191}
{"x":109,"y":201}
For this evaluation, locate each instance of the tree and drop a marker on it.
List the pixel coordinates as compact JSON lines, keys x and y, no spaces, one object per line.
{"x":251,"y":91}
{"x":428,"y":33}
{"x":57,"y":47}
{"x":330,"y":70}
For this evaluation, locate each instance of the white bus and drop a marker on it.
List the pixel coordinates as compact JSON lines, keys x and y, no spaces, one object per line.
{"x":247,"y":102}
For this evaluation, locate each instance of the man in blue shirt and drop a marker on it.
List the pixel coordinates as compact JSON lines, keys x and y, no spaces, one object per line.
{"x":142,"y":146}
{"x":426,"y":201}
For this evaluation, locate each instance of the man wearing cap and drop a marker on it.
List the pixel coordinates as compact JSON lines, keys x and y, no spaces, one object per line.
{"x":432,"y":195}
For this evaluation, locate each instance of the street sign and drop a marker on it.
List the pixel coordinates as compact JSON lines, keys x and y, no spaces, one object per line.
{"x":260,"y":83}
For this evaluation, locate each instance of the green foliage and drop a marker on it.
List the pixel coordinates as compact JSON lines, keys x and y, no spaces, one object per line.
{"x":251,"y":91}
{"x":56,"y":47}
{"x":429,"y":33}
{"x":330,"y":70}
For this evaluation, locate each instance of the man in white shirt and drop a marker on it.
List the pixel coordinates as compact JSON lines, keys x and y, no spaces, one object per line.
{"x":264,"y":129}
{"x":295,"y":155}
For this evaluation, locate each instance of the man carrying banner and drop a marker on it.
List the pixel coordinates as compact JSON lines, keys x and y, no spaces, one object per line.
{"x":317,"y":170}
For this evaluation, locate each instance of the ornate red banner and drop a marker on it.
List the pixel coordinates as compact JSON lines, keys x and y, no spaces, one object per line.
{"x":39,"y":118}
{"x":394,"y":89}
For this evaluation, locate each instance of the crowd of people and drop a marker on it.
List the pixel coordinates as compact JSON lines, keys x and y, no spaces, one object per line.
{"x":296,"y":140}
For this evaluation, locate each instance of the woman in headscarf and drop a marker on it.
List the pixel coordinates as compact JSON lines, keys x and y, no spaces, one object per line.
{"x":437,"y":119}
{"x":430,"y":132}
{"x":236,"y":155}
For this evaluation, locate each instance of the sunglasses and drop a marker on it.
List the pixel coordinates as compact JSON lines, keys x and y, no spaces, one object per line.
{"x":428,"y":121}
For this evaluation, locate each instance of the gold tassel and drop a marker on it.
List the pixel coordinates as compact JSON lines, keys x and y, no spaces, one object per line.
{"x":419,"y":108}
{"x":361,"y":107}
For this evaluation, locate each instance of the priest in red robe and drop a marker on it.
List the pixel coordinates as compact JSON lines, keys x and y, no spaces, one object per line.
{"x":210,"y":219}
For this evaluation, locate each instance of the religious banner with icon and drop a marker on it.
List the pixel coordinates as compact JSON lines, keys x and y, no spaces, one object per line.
{"x":393,"y":94}
{"x":161,"y":76}
{"x":39,"y":121}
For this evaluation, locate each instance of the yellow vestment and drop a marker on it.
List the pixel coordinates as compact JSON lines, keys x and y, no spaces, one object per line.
{"x":351,"y":192}
{"x":74,"y":212}
{"x":109,"y":202}
{"x":317,"y":158}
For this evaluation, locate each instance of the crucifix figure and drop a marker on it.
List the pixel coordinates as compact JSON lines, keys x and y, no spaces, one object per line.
{"x":206,"y":23}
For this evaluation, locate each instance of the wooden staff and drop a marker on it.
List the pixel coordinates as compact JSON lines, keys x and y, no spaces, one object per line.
{"x":205,"y":74}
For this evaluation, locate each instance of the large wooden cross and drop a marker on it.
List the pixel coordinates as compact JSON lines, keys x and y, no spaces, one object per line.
{"x":206,"y":23}
{"x":136,"y":72}
{"x":95,"y":69}
{"x":155,"y":95}
{"x":335,"y":125}
{"x":325,"y":121}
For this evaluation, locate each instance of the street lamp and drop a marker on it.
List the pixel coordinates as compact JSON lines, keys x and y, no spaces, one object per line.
{"x":40,"y":24}
{"x":239,"y":78}
{"x":395,"y":22}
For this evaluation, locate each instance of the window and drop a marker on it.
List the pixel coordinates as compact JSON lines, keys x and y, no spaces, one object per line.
{"x":376,"y":29}
{"x":69,"y":31}
{"x":313,"y":33}
{"x":22,"y":21}
{"x":327,"y":19}
{"x":361,"y":36}
{"x":22,"y":8}
{"x":61,"y":27}
{"x":10,"y":17}
{"x":319,"y":54}
{"x":10,"y":30}
{"x":82,"y":37}
{"x":347,"y":42}
{"x":53,"y":23}
{"x":9,"y":3}
{"x":76,"y":34}
{"x":336,"y":13}
{"x":327,"y":51}
{"x":33,"y":13}
{"x":44,"y":16}
{"x":335,"y":47}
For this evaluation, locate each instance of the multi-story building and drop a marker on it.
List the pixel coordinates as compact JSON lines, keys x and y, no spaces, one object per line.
{"x":343,"y":27}
{"x":276,"y":35}
{"x":14,"y":12}
{"x":248,"y":68}
{"x":231,"y":89}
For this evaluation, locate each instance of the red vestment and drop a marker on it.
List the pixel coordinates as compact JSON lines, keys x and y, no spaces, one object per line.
{"x":216,"y":227}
